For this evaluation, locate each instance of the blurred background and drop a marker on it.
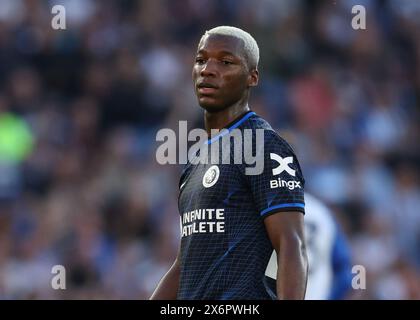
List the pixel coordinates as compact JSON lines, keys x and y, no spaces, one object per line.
{"x":80,"y":109}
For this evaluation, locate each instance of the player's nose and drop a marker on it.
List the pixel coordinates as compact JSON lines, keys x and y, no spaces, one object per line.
{"x":208,"y":69}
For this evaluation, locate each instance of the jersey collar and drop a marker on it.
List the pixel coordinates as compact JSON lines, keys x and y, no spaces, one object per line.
{"x":232,"y":125}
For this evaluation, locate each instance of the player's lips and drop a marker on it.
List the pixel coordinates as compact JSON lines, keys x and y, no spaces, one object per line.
{"x":205,"y":88}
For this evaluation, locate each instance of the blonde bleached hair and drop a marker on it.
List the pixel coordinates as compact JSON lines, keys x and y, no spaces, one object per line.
{"x":251,"y":48}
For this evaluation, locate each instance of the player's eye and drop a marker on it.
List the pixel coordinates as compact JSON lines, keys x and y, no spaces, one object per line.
{"x":199,"y":61}
{"x":227,"y":62}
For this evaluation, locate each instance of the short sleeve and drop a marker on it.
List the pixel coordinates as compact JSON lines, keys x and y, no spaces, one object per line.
{"x":280,"y":185}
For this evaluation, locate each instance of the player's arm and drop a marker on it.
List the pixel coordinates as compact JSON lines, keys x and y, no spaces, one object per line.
{"x":167,"y":288}
{"x":285,"y":230}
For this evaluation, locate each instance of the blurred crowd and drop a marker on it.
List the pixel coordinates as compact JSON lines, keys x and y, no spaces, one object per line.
{"x":80,"y":108}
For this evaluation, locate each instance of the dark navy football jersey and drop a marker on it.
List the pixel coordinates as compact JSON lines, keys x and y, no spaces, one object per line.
{"x":225,"y":248}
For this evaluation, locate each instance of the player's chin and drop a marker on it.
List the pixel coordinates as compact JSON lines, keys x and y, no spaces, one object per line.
{"x":209,"y":104}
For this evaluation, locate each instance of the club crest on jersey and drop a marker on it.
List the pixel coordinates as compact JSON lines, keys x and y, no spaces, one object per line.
{"x":211,"y":176}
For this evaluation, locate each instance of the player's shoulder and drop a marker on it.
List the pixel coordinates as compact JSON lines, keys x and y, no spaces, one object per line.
{"x":257,"y":122}
{"x":272,"y":139}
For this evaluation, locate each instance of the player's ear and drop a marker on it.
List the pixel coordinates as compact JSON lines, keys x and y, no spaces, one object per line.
{"x":253,"y":78}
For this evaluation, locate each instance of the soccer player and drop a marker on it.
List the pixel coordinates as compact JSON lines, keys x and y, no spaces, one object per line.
{"x":329,"y":255}
{"x":230,"y":220}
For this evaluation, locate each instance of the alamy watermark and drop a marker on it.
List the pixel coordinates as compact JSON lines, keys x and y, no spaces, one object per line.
{"x":225,"y":147}
{"x":358,"y":282}
{"x":58,"y":21}
{"x":359,"y":20}
{"x":58,"y":281}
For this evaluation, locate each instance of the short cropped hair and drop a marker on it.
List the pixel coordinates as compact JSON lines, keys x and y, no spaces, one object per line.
{"x":250,"y":45}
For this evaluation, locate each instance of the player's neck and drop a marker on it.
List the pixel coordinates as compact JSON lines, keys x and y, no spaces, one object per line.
{"x":219,"y":120}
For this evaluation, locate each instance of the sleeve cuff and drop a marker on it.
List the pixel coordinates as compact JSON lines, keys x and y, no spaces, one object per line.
{"x":282,"y":208}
